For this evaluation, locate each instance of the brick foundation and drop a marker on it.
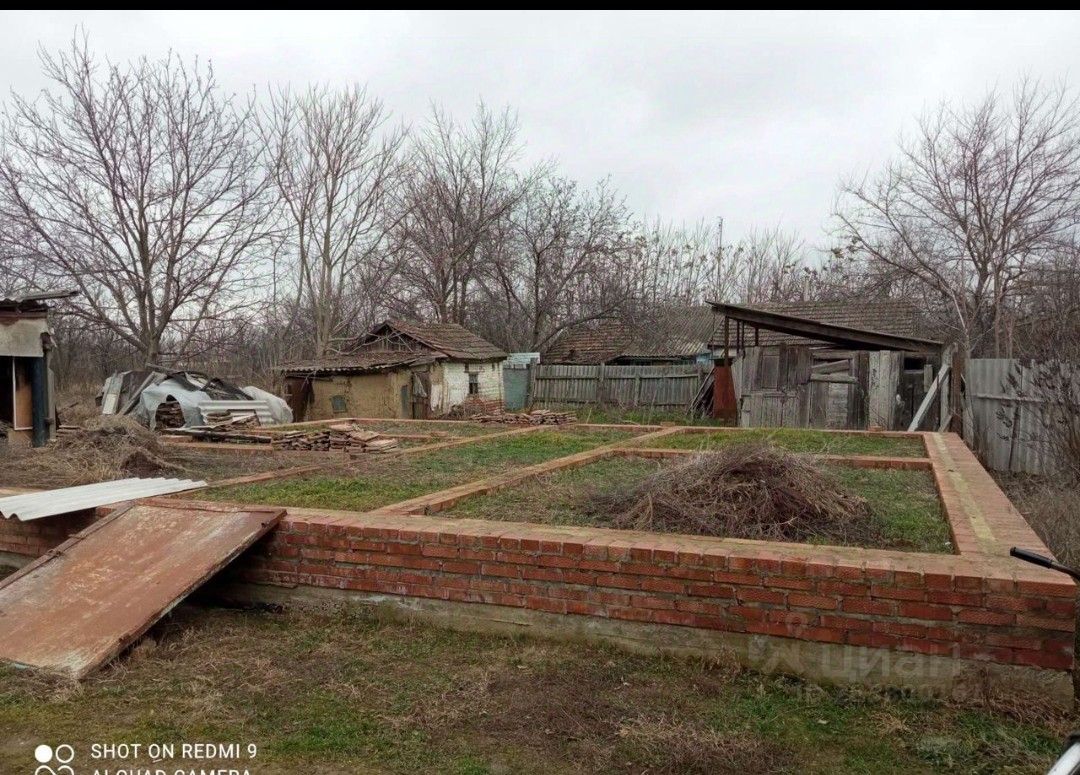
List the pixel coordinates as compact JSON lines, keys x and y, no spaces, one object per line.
{"x":948,"y":615}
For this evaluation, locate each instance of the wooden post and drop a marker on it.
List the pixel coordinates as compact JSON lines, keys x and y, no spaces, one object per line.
{"x":959,"y":365}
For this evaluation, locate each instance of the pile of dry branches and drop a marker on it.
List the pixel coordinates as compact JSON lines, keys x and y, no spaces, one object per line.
{"x":106,"y":447}
{"x":741,"y":491}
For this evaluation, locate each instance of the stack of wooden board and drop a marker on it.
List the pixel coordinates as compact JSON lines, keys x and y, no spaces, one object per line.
{"x":535,"y":417}
{"x":342,"y":437}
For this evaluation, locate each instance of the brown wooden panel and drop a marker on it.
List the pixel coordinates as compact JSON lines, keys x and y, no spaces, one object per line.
{"x":24,"y":402}
{"x":81,"y":604}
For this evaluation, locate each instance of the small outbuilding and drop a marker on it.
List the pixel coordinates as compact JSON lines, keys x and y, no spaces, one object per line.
{"x":842,"y":365}
{"x":27,"y":402}
{"x":399,"y":369}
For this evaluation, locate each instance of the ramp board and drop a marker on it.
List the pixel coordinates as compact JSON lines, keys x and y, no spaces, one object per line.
{"x":78,"y":606}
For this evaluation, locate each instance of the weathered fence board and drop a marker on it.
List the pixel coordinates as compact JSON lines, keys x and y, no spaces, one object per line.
{"x":662,"y":387}
{"x":1009,"y":417}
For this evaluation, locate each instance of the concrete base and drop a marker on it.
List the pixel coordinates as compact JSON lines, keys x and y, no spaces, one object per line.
{"x":819,"y":662}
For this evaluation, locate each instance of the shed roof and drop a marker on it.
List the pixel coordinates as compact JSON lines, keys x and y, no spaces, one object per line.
{"x":777,"y":327}
{"x":33,"y":302}
{"x":366,"y":361}
{"x":687,"y":331}
{"x":887,"y":316}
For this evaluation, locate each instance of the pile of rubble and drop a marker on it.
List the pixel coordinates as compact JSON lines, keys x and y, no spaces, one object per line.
{"x":535,"y":417}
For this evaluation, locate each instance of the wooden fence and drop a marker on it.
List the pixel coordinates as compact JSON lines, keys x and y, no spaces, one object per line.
{"x":660,"y":387}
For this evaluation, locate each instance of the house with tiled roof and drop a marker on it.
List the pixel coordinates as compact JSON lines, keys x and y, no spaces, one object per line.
{"x":399,"y":369}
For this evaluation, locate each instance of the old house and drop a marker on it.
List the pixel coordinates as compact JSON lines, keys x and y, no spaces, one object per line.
{"x":27,"y":401}
{"x":851,"y":364}
{"x":672,"y":335}
{"x":399,"y":370}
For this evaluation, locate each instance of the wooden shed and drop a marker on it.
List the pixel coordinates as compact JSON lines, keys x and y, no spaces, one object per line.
{"x":399,"y":369}
{"x":27,"y":404}
{"x":786,"y":370}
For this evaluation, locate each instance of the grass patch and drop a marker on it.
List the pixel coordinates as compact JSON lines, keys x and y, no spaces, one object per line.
{"x":905,"y":511}
{"x":558,"y":498}
{"x":639,"y":416}
{"x":387,"y":479}
{"x":341,"y":691}
{"x":904,"y":507}
{"x":800,"y":440}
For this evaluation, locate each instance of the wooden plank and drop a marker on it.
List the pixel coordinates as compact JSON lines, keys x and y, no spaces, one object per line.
{"x":928,"y":399}
{"x":83,"y":603}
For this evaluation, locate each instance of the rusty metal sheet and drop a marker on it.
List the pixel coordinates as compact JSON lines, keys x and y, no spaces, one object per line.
{"x":78,"y":606}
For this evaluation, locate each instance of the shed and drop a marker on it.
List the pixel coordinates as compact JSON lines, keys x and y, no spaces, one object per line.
{"x":27,"y":401}
{"x":399,"y":369}
{"x":785,"y":369}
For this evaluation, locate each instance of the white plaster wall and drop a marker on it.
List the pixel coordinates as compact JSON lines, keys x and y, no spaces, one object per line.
{"x":454,"y":389}
{"x":22,"y":338}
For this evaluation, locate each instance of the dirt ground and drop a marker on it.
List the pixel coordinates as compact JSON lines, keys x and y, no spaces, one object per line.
{"x":341,"y":691}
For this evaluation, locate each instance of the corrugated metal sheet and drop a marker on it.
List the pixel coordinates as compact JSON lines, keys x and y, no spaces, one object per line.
{"x":1008,"y":421}
{"x":49,"y":503}
{"x":260,"y":408}
{"x":73,"y":610}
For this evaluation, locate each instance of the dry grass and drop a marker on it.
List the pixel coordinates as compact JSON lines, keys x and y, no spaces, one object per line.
{"x":1052,"y":508}
{"x":107,"y":447}
{"x":742,"y":491}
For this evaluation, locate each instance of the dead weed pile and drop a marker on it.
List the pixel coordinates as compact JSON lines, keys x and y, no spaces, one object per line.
{"x":741,"y":491}
{"x":104,"y":448}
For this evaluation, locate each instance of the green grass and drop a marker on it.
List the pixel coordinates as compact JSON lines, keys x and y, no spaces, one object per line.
{"x":905,"y":510}
{"x":341,"y":691}
{"x":800,"y":440}
{"x":642,"y":416}
{"x":557,"y":498}
{"x":388,"y":479}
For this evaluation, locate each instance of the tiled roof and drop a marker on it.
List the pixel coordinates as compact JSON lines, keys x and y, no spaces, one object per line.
{"x":670,"y":333}
{"x":456,"y":341}
{"x":886,"y":316}
{"x":685,"y":332}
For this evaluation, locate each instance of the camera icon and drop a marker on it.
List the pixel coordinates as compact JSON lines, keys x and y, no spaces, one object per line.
{"x":54,"y":761}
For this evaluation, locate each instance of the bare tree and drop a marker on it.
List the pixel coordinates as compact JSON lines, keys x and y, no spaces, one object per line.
{"x":770,"y":266}
{"x":459,"y":185}
{"x":980,"y":196}
{"x":334,"y":166}
{"x":139,"y":186}
{"x":564,"y":262}
{"x":681,"y":265}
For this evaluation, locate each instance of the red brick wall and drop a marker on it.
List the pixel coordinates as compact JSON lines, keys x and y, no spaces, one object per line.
{"x":34,"y":538}
{"x":947,"y":605}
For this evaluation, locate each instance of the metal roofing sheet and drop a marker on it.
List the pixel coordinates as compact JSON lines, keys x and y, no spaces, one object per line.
{"x":73,"y":610}
{"x":49,"y":503}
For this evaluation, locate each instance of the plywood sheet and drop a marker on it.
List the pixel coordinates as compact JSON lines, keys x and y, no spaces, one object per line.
{"x":80,"y":605}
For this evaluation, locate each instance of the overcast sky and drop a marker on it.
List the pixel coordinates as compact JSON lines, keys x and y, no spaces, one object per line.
{"x":753,"y":117}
